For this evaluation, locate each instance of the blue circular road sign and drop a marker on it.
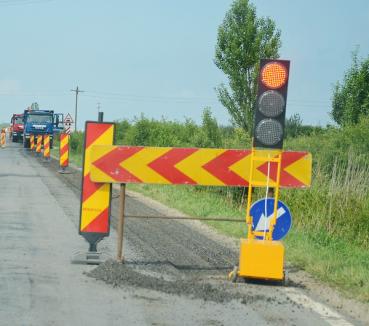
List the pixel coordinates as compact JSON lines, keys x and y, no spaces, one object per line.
{"x":262,"y":213}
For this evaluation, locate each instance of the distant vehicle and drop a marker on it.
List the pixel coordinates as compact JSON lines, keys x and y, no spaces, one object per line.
{"x":41,"y":122}
{"x":16,"y":127}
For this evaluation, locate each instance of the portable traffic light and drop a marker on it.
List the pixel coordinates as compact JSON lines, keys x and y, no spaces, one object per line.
{"x":270,"y":110}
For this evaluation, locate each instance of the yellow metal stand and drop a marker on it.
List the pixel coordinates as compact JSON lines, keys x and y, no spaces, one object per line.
{"x":261,"y":259}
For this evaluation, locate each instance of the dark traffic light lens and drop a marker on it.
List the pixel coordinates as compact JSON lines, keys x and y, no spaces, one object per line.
{"x":271,"y":104}
{"x":269,"y":132}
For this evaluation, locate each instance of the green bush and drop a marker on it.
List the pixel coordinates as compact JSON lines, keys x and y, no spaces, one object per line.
{"x":76,"y":142}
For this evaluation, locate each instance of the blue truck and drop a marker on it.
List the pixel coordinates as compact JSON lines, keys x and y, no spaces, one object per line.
{"x":41,"y":122}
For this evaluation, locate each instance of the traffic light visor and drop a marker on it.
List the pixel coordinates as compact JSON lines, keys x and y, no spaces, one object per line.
{"x":274,"y":75}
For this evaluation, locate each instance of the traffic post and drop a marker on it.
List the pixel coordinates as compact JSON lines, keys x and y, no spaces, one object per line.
{"x":64,"y":153}
{"x":39,"y":145}
{"x":120,"y":226}
{"x":47,"y":148}
{"x":32,"y":146}
{"x":32,"y":142}
{"x":94,"y":222}
{"x":2,"y":138}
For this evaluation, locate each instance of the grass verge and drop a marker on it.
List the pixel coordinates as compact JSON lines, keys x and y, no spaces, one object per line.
{"x":337,"y":262}
{"x":74,"y":158}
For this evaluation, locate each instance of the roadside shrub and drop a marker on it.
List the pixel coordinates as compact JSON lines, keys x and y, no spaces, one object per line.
{"x":76,"y":141}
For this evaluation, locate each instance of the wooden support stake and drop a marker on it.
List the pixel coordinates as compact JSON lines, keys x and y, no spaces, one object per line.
{"x":122,"y":200}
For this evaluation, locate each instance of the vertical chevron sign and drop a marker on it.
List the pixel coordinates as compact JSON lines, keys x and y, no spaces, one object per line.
{"x":39,"y":144}
{"x":196,"y":166}
{"x":64,"y":150}
{"x":47,"y":147}
{"x":95,"y":197}
{"x":32,"y":142}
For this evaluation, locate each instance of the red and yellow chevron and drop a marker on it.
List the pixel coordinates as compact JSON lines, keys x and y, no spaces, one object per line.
{"x":39,"y":144}
{"x":95,"y":201}
{"x":32,"y":142}
{"x":196,"y":166}
{"x":47,"y":146}
{"x":64,"y":150}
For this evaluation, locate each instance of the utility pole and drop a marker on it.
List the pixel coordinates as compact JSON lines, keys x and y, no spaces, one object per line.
{"x":77,"y":90}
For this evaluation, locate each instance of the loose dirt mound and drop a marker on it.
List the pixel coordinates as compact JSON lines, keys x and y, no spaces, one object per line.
{"x":117,"y":274}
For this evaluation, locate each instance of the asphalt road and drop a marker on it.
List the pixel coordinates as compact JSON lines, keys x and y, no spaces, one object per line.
{"x":175,"y":272}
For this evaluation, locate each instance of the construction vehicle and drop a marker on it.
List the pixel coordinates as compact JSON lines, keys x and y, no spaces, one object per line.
{"x":16,"y":128}
{"x":41,"y":122}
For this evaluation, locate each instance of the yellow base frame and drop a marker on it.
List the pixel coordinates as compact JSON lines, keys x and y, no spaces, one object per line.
{"x":261,"y":259}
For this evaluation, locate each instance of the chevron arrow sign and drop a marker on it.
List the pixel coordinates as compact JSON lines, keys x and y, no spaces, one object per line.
{"x":195,"y":166}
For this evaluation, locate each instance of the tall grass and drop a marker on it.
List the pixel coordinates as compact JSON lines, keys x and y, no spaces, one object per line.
{"x":337,"y":204}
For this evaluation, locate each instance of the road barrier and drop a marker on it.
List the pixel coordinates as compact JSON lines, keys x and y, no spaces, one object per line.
{"x":195,"y":166}
{"x":64,"y":152}
{"x":47,"y":147}
{"x":39,"y":144}
{"x":32,"y":142}
{"x":2,"y":138}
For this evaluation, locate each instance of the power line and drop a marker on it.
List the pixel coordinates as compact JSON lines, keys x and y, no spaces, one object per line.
{"x":131,"y":97}
{"x":32,"y":94}
{"x":134,"y":97}
{"x":124,"y":97}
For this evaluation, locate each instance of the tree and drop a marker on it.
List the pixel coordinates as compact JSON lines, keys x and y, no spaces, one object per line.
{"x":351,"y":97}
{"x":243,"y":39}
{"x":209,"y":135}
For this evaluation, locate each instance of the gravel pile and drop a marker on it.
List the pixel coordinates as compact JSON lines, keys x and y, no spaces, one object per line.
{"x":117,"y":274}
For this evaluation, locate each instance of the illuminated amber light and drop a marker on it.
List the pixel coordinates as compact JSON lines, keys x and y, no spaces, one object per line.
{"x":274,"y":75}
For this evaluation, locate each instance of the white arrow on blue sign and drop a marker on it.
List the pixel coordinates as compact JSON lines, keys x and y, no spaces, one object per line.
{"x":261,"y":217}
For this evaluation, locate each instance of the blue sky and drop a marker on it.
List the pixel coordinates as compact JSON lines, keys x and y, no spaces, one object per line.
{"x":156,"y":57}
